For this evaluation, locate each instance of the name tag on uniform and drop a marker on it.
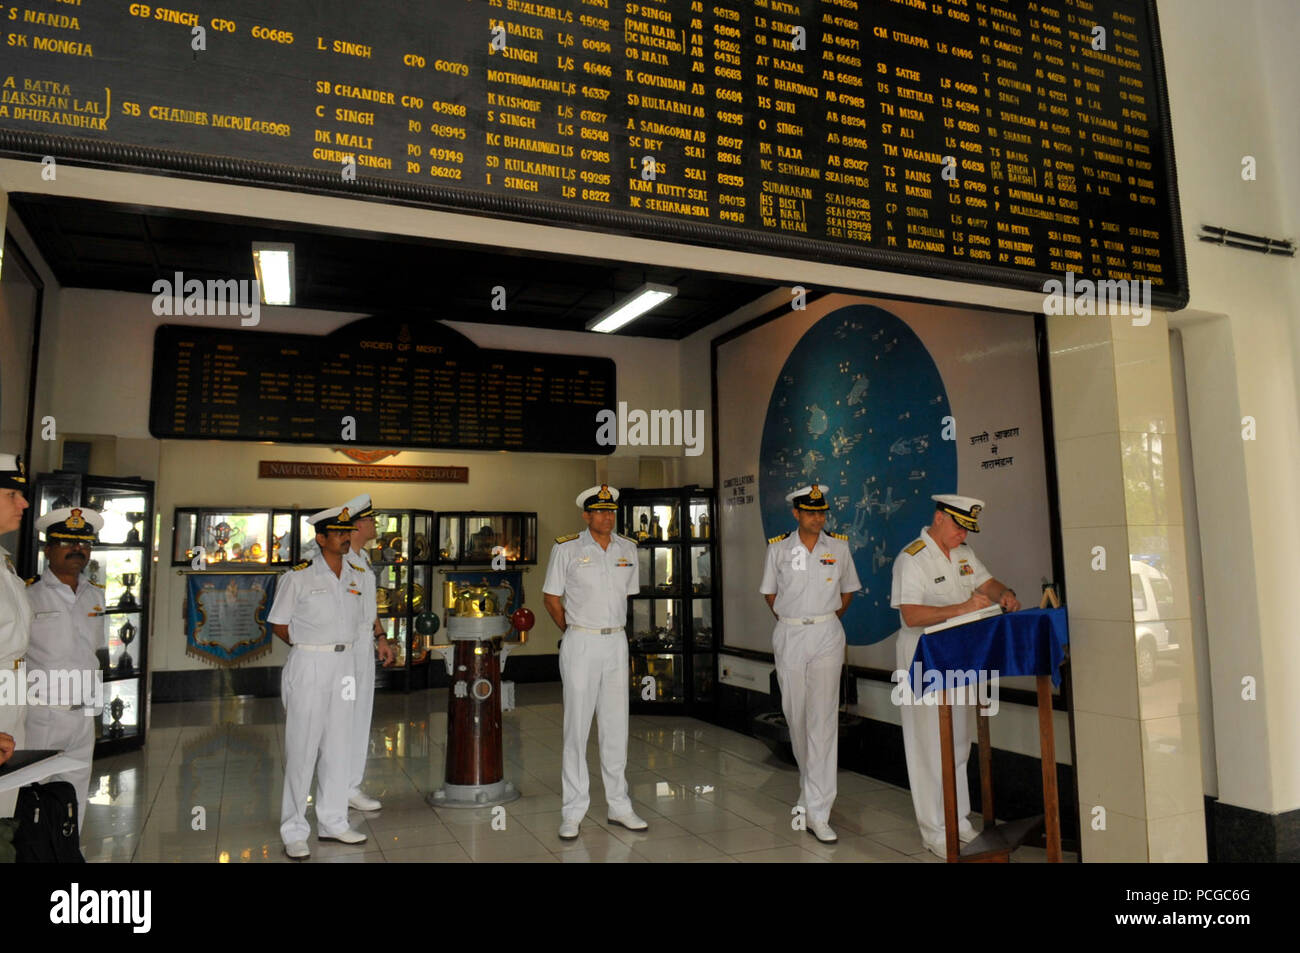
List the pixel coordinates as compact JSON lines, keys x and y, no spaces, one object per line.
{"x":47,"y":612}
{"x":315,"y":592}
{"x":940,"y":578}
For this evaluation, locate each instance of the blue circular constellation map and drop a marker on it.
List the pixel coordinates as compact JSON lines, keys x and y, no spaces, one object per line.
{"x":859,"y":406}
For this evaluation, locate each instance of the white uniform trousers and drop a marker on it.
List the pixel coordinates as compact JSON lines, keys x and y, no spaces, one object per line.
{"x":923,"y":751}
{"x":808,"y":663}
{"x":317,"y":735}
{"x":73,"y":733}
{"x":12,"y":719}
{"x":594,"y":670}
{"x":363,"y":653}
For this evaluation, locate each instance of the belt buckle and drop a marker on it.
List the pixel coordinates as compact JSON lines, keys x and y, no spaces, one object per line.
{"x":806,"y":621}
{"x":339,"y":647}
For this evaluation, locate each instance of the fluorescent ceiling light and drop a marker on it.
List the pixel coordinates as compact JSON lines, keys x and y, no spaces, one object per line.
{"x":646,"y":297}
{"x":274,"y":266}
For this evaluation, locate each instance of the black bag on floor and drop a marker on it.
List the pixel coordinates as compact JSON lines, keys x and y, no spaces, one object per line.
{"x":47,"y":825}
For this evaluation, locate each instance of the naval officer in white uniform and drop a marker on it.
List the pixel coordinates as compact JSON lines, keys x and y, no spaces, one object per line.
{"x":370,"y":640}
{"x":15,"y":616}
{"x":67,"y":637}
{"x":319,"y":610}
{"x":809,"y":580}
{"x":589,"y":578}
{"x":936,"y":577}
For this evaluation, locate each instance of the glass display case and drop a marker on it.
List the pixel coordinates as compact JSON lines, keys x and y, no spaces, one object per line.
{"x":672,"y":629}
{"x":471,"y":539}
{"x":122,"y":563}
{"x":402,"y":557}
{"x":235,"y":537}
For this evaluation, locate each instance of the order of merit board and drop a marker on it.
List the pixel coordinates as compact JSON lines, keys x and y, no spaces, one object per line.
{"x":1019,"y":138}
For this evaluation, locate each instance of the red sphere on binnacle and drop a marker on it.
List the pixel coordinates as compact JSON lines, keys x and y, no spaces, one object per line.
{"x":523,"y":619}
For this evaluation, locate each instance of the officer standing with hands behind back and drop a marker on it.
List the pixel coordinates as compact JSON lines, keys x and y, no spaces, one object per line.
{"x":808,"y":581}
{"x":589,"y":578}
{"x":319,"y":610}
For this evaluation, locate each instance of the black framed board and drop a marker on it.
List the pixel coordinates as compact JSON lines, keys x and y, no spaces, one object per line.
{"x":998,"y":141}
{"x":376,"y":382}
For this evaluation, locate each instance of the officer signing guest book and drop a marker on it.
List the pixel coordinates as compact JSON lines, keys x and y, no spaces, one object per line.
{"x":986,"y":613}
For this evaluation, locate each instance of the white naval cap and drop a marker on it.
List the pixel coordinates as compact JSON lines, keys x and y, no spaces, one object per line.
{"x":336,"y":517}
{"x":964,"y":510}
{"x":359,"y":508}
{"x":12,"y":474}
{"x":603,"y":497}
{"x":811,"y":497}
{"x":70,"y":523}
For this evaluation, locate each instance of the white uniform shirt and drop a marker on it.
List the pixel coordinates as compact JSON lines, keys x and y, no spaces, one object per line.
{"x":318,"y":607}
{"x":15,"y":613}
{"x":67,"y":627}
{"x":369,"y":594}
{"x":924,"y":576}
{"x":816,"y":589}
{"x":594,"y":582}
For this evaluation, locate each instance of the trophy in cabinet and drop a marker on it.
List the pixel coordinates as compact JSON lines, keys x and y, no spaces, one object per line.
{"x":127,"y":603}
{"x":127,"y":634}
{"x":672,"y":524}
{"x":221,"y":534}
{"x":643,"y":532}
{"x":117,"y":708}
{"x":703,"y":524}
{"x":133,"y":537}
{"x":656,"y":530}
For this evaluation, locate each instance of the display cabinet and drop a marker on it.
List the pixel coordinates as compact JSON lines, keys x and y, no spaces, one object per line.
{"x":471,"y":539}
{"x":122,"y":563}
{"x":235,"y":537}
{"x":672,"y":622}
{"x":402,"y":557}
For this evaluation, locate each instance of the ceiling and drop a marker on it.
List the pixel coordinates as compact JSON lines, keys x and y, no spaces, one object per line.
{"x":118,"y":247}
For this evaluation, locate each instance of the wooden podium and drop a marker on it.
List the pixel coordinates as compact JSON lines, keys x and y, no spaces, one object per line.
{"x":1022,"y":643}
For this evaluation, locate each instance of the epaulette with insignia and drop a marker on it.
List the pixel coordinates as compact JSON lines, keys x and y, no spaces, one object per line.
{"x":357,"y":566}
{"x":33,"y":580}
{"x":777,"y":539}
{"x":843,"y":536}
{"x":91,"y":581}
{"x":630,"y":539}
{"x":565,"y":539}
{"x":302,"y":565}
{"x":915,"y":548}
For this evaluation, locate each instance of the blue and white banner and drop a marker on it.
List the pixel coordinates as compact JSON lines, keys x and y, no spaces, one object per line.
{"x":225,"y":616}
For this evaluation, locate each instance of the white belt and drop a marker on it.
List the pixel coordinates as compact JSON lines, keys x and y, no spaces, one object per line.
{"x":329,"y":647}
{"x":808,"y":620}
{"x":610,"y":631}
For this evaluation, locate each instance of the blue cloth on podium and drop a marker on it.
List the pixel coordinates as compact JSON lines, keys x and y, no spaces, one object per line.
{"x":1028,"y":642}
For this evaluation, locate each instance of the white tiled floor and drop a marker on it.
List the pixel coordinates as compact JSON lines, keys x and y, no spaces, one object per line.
{"x":207,"y":788}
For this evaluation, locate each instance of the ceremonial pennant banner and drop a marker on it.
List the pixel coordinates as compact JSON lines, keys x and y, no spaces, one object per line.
{"x":225,"y":616}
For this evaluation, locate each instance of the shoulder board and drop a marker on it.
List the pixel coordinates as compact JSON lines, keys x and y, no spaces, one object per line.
{"x":565,"y":539}
{"x":33,"y":579}
{"x":302,"y":565}
{"x":630,"y":539}
{"x":843,"y":536}
{"x":91,"y":581}
{"x":915,"y":548}
{"x":357,"y":566}
{"x":777,"y":539}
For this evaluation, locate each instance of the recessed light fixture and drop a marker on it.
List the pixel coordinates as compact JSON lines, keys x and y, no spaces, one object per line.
{"x":645,"y":298}
{"x":273,"y":264}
